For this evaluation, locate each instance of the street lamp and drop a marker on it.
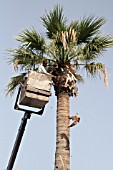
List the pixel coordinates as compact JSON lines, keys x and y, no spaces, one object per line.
{"x":34,"y":92}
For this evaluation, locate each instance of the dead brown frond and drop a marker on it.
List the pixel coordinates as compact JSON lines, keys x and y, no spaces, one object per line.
{"x":105,"y":76}
{"x":96,"y":68}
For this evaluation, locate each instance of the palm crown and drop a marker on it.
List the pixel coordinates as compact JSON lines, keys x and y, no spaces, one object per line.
{"x":70,"y":47}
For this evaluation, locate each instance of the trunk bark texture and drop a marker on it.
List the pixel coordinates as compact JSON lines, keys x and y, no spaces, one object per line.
{"x":62,"y":155}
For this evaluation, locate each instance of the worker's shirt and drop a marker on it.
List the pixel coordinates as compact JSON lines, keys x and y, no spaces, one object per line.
{"x":41,"y":69}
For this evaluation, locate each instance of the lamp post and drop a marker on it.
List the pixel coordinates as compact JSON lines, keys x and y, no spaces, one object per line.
{"x":18,"y":140}
{"x":27,"y":115}
{"x":35,"y":92}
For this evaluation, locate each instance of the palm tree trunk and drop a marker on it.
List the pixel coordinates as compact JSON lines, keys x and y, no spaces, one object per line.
{"x":62,"y":155}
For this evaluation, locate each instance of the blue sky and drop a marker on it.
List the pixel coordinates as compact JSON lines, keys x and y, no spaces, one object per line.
{"x":91,"y":140}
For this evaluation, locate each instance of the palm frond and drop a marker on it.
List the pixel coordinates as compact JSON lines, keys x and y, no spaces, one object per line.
{"x":66,"y":38}
{"x":54,"y":21}
{"x":14,"y":82}
{"x":31,"y":39}
{"x":24,"y":58}
{"x":79,"y":78}
{"x":30,"y":52}
{"x":95,"y":68}
{"x":95,"y":47}
{"x":73,"y":25}
{"x":87,"y":27}
{"x":63,"y":45}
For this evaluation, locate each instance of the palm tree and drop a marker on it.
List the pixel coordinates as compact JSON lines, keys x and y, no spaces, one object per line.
{"x":67,"y":48}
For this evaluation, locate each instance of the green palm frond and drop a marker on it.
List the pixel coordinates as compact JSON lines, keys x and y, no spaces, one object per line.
{"x":95,"y":47}
{"x":25,"y":58}
{"x":14,"y":82}
{"x":73,"y":25}
{"x":54,"y":21}
{"x":87,"y":27}
{"x":31,"y":39}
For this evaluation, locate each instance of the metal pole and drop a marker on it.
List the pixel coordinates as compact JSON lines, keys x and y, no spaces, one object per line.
{"x":18,"y":140}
